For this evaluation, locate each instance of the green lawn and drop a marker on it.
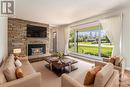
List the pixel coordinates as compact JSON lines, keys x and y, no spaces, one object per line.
{"x":85,"y":42}
{"x":105,"y":52}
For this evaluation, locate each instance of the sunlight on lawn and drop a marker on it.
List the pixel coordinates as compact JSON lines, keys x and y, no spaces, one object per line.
{"x":90,"y":42}
{"x":92,"y":50}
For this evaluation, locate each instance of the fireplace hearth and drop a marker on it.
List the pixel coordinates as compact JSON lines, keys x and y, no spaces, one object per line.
{"x":36,"y":49}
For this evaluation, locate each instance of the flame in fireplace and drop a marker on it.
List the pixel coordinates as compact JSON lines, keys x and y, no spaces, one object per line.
{"x":37,"y":51}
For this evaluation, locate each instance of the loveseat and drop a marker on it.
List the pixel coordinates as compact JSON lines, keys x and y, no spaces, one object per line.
{"x":106,"y":77}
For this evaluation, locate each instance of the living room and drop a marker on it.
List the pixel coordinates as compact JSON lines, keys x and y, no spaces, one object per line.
{"x":64,"y":43}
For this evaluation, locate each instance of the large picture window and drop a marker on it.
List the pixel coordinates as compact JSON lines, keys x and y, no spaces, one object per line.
{"x":91,"y":41}
{"x":71,"y":41}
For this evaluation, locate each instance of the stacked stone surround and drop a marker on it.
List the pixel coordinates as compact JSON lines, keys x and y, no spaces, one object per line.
{"x":17,"y":29}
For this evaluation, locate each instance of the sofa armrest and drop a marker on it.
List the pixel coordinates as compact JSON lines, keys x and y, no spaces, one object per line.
{"x":121,"y":69}
{"x":67,"y":81}
{"x":114,"y":80}
{"x":32,"y":80}
{"x":100,"y":63}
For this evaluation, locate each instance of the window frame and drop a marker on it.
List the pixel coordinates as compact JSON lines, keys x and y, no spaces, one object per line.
{"x":99,"y":57}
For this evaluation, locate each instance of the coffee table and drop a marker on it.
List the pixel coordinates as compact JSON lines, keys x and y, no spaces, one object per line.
{"x":50,"y":60}
{"x":60,"y":66}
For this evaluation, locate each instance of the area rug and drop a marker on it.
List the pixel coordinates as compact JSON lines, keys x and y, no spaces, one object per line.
{"x":50,"y":79}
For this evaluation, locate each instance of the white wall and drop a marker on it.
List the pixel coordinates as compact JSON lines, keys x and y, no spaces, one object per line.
{"x":61,"y":38}
{"x":3,"y":38}
{"x":126,"y":35}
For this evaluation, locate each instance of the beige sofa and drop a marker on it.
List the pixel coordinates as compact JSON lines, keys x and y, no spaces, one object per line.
{"x":106,"y":77}
{"x":120,"y":67}
{"x":31,"y":77}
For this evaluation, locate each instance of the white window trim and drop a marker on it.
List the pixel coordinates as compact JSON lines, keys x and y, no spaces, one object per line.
{"x":86,"y":55}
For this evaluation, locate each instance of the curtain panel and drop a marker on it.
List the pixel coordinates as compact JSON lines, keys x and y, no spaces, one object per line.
{"x":67,"y":33}
{"x":113,"y":28}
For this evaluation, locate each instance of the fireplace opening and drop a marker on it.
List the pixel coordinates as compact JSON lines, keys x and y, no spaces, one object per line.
{"x":36,"y":49}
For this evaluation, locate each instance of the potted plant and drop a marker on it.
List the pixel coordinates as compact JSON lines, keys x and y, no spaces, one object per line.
{"x":60,"y":56}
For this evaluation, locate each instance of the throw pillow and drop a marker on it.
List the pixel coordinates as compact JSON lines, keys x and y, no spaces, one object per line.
{"x":19,"y":73}
{"x":2,"y":77}
{"x":16,"y":57}
{"x":112,"y":60}
{"x":18,"y":63}
{"x":90,"y":76}
{"x":9,"y":72}
{"x":11,"y":58}
{"x":97,"y":68}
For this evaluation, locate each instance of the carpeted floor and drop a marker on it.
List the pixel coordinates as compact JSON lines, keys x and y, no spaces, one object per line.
{"x":126,"y":80}
{"x":50,"y":79}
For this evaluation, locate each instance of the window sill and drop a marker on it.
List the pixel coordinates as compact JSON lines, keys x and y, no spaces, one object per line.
{"x":85,"y":57}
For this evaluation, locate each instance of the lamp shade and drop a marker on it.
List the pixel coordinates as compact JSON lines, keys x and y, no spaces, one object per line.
{"x":18,"y":50}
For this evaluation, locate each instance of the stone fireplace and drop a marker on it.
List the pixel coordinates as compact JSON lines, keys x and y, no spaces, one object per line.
{"x":36,"y":49}
{"x":17,"y":38}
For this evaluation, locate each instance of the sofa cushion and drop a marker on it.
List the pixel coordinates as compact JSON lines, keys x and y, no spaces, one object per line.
{"x":9,"y":62}
{"x":118,"y":60}
{"x":90,"y":76}
{"x":9,"y":72}
{"x":11,"y":58}
{"x":89,"y":85}
{"x":2,"y":77}
{"x":112,"y":60}
{"x":9,"y":69}
{"x":24,"y":61}
{"x":21,"y":58}
{"x":19,"y":72}
{"x":104,"y":75}
{"x":27,"y":69}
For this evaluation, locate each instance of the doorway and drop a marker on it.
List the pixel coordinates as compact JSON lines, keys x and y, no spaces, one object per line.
{"x":54,"y":42}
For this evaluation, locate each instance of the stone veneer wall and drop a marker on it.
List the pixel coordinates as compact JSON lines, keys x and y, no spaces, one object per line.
{"x":17,"y":29}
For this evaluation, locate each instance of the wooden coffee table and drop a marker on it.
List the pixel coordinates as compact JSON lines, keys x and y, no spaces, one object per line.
{"x":60,"y":66}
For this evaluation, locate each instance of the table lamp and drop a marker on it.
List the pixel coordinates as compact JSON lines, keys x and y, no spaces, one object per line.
{"x":17,"y":51}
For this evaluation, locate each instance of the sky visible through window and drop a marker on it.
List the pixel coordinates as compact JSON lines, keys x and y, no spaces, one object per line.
{"x":92,"y":33}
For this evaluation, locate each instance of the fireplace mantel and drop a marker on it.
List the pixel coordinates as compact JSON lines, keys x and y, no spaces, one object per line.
{"x":17,"y":36}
